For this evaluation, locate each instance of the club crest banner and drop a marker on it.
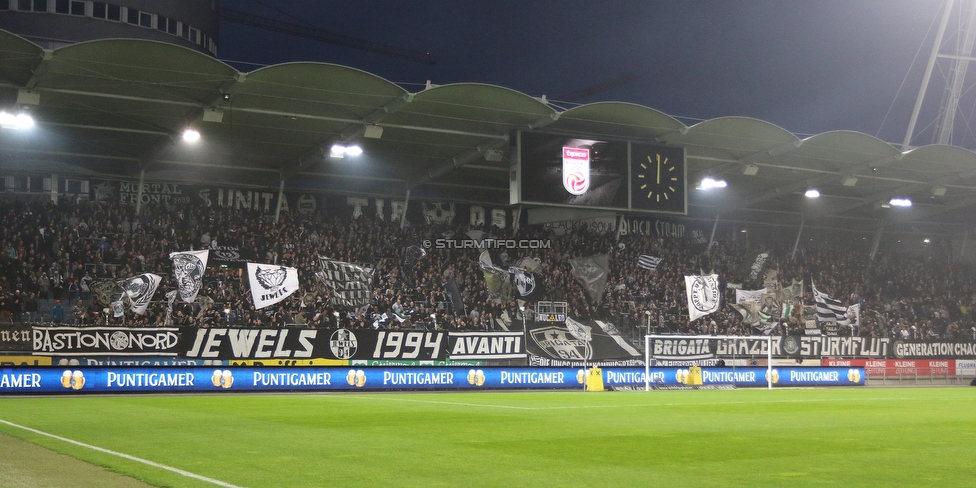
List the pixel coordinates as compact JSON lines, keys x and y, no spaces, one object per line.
{"x":140,"y":290}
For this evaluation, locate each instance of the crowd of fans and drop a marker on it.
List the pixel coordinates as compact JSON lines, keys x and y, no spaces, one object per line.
{"x":52,"y":253}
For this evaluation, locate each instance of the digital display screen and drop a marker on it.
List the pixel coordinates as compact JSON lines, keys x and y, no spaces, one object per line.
{"x":573,"y":171}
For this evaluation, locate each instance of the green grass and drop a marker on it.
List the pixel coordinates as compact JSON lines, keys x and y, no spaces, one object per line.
{"x":846,"y":437}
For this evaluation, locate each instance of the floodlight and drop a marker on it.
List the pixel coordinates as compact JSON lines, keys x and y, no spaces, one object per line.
{"x":812,"y":193}
{"x":191,"y":135}
{"x":900,"y":202}
{"x":708,"y":182}
{"x":849,"y":181}
{"x":354,"y":150}
{"x":19,"y":121}
{"x":939,"y":191}
{"x":750,"y":170}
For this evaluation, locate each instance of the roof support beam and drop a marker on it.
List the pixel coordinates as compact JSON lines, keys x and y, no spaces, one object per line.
{"x":474,"y":154}
{"x":353,"y":131}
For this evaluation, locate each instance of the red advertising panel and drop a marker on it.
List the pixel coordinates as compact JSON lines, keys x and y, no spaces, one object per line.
{"x":898,"y":367}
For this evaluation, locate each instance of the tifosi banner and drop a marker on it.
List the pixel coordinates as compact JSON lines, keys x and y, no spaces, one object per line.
{"x":486,"y":345}
{"x":288,"y":343}
{"x":554,"y":340}
{"x":15,"y":337}
{"x":679,"y":349}
{"x":105,"y":341}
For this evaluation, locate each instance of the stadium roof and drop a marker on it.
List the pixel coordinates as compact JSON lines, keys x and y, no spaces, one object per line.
{"x":114,"y":108}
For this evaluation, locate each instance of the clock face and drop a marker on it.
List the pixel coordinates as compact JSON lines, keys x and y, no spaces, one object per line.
{"x":658,"y":179}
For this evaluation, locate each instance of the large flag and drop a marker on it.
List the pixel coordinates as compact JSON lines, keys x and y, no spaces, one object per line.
{"x":497,"y":280}
{"x":530,"y":286}
{"x":592,"y":272}
{"x":105,"y":291}
{"x":829,"y":309}
{"x":757,"y":265}
{"x":271,"y":284}
{"x":189,"y":267}
{"x":454,"y":293}
{"x":170,"y":299}
{"x":140,"y":290}
{"x":704,"y":296}
{"x":348,"y":283}
{"x":647,"y":261}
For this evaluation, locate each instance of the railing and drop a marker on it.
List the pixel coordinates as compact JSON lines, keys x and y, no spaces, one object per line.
{"x":914,"y":376}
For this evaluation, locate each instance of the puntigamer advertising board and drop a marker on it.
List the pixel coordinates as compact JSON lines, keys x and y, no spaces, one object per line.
{"x":197,"y":379}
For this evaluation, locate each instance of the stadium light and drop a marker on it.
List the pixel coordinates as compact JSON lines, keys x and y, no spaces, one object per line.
{"x":20,"y":121}
{"x":338,"y":151}
{"x":708,"y":183}
{"x":191,"y":135}
{"x":900,"y":202}
{"x":812,"y":193}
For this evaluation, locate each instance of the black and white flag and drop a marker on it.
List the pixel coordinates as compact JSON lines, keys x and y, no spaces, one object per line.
{"x":170,"y":299}
{"x":140,"y":290}
{"x":704,"y":296}
{"x":757,"y":265}
{"x":348,"y":282}
{"x":829,"y":309}
{"x":271,"y":284}
{"x":189,"y":267}
{"x":647,"y":261}
{"x":592,"y":272}
{"x":529,"y":285}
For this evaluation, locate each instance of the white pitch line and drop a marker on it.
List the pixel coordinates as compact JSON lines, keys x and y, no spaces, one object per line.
{"x":576,"y":407}
{"x":124,"y":456}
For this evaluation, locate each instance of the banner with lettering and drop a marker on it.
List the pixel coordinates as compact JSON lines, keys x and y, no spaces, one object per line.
{"x":294,"y":343}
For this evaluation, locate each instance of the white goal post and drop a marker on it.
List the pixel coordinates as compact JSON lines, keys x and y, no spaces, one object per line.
{"x":650,"y":337}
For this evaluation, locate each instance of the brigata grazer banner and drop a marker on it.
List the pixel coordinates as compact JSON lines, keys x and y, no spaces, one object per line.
{"x":679,"y":349}
{"x":196,"y":379}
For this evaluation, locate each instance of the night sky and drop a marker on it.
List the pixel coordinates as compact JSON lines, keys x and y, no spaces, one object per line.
{"x":807,"y":66}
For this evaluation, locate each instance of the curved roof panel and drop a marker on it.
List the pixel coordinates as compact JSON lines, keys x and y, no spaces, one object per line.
{"x":617,"y":120}
{"x":116,"y":106}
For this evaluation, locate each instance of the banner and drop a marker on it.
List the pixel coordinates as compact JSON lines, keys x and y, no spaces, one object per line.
{"x":289,"y":343}
{"x":680,"y":349}
{"x":230,"y":257}
{"x":704,"y":296}
{"x":189,"y":267}
{"x":105,"y":341}
{"x":486,"y":345}
{"x":271,"y":284}
{"x":740,"y":377}
{"x":15,"y":337}
{"x":348,"y":283}
{"x":554,"y":340}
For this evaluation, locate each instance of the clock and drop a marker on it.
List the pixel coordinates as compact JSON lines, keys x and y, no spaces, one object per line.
{"x":657,"y":179}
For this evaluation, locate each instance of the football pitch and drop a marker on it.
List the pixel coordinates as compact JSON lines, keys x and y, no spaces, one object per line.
{"x":846,"y":437}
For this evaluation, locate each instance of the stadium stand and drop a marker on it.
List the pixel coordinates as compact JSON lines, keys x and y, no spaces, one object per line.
{"x":54,"y":252}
